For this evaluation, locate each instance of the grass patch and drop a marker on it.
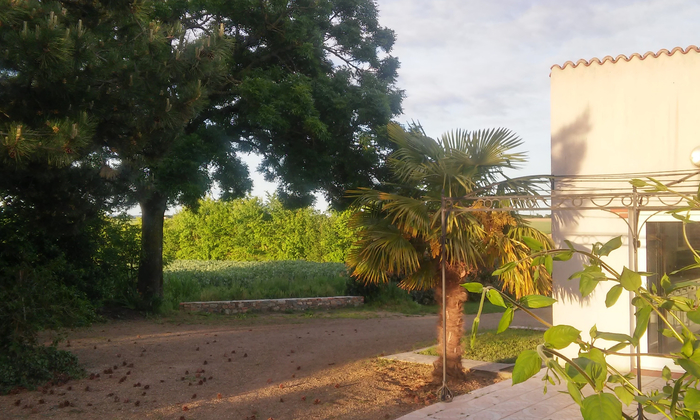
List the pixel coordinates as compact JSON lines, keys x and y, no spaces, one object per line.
{"x":200,"y":281}
{"x":471,"y":308}
{"x":502,"y":348}
{"x":543,"y":224}
{"x":203,"y":281}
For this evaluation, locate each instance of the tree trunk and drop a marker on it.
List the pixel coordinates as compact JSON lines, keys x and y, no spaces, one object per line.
{"x":150,"y":284}
{"x":455,"y":296}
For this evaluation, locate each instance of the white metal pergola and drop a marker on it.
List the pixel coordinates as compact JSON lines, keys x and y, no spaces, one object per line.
{"x":612,"y":193}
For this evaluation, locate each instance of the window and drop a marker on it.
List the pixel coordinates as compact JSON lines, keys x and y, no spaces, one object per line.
{"x":667,"y":252}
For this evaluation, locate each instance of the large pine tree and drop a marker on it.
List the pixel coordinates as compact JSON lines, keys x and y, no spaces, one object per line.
{"x":166,"y":94}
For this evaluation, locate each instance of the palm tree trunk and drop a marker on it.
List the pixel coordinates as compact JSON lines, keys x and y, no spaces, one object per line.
{"x":455,"y":296}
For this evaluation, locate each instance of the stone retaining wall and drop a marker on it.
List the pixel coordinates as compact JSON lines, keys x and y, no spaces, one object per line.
{"x":272,"y":305}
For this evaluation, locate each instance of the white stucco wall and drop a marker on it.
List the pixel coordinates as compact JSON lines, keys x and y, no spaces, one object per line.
{"x":641,"y":115}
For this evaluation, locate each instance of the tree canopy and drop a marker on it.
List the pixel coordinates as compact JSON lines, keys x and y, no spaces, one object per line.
{"x":164,"y":96}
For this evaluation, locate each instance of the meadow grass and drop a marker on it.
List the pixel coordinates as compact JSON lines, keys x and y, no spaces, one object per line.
{"x":543,"y":224}
{"x":197,"y":281}
{"x":502,"y":348}
{"x":205,"y":281}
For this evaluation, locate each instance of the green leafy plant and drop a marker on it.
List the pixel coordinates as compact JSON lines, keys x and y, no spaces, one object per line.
{"x":593,"y":383}
{"x":252,"y":230}
{"x":30,"y":366}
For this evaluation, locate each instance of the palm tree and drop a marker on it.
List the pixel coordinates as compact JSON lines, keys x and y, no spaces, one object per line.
{"x":399,"y":229}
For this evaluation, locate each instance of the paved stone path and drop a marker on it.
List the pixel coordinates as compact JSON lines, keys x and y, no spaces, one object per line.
{"x":503,"y":401}
{"x":524,"y":401}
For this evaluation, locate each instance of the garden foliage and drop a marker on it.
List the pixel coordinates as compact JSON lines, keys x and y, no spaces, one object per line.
{"x":167,"y":95}
{"x":595,"y":385}
{"x":60,"y":257}
{"x":250,"y":230}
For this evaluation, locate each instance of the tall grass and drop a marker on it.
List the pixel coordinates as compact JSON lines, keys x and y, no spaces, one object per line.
{"x":196,"y":281}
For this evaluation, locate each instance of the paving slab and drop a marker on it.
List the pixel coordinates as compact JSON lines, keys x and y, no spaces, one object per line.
{"x":488,"y":321}
{"x":503,"y":400}
{"x":502,"y":369}
{"x":524,"y":401}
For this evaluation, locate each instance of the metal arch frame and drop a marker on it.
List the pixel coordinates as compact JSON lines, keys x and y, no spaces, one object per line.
{"x":612,"y":193}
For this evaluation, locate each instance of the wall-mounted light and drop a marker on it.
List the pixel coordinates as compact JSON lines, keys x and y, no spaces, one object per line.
{"x":695,"y":157}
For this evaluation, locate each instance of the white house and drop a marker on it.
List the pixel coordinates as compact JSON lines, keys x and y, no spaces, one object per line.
{"x":623,"y":115}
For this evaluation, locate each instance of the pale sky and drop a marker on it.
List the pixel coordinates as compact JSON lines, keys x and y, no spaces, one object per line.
{"x":474,"y":64}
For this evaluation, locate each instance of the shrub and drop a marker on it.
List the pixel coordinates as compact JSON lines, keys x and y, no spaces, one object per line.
{"x":250,"y":230}
{"x":29,"y":366}
{"x":59,"y":257}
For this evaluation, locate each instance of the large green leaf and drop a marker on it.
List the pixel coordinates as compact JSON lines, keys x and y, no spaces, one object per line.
{"x":666,"y":284}
{"x":563,"y":256}
{"x":692,"y":399}
{"x":495,"y":298}
{"x":620,"y":338}
{"x":610,"y":246}
{"x":624,"y":394}
{"x":586,"y":285}
{"x":575,"y":393}
{"x":548,"y":263}
{"x":594,"y":364}
{"x":639,"y":183}
{"x":526,"y":366}
{"x":613,"y":295}
{"x":505,"y":268}
{"x":630,"y":280}
{"x":642,"y":318}
{"x":560,"y":336}
{"x":694,"y":316}
{"x":532,"y":243}
{"x":589,"y":278}
{"x":691,"y":367}
{"x":473,"y":287}
{"x":536,"y":301}
{"x":505,"y":321}
{"x":603,"y":406}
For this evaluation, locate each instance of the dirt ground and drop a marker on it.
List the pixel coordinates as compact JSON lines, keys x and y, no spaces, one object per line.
{"x":261,"y":367}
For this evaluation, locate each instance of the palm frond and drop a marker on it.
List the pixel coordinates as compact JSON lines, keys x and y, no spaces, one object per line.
{"x":382,"y":250}
{"x":424,"y":278}
{"x":399,"y":233}
{"x":408,"y":214}
{"x":523,"y":280}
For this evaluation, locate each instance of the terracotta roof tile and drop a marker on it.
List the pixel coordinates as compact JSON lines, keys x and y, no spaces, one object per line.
{"x":624,"y":57}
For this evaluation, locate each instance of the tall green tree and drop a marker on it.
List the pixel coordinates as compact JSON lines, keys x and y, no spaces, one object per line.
{"x":400,"y":228}
{"x":174,"y":91}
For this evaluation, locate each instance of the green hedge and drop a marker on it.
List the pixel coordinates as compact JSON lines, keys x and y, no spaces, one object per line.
{"x":250,"y":230}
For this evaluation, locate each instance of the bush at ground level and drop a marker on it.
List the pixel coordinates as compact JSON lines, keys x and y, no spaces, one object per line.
{"x":60,"y":257}
{"x":31,"y":366}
